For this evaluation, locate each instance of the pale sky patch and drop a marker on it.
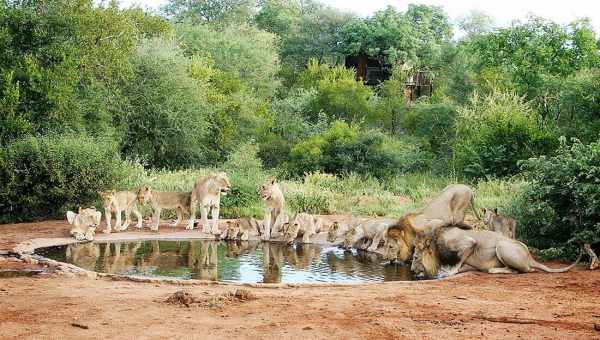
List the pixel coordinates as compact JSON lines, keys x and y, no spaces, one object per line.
{"x":503,"y":11}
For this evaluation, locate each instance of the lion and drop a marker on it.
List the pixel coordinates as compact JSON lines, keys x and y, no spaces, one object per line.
{"x":165,"y":200}
{"x":340,"y":228}
{"x":241,"y":229}
{"x":304,"y":225}
{"x":498,"y":223}
{"x":83,"y":255}
{"x":481,"y":250}
{"x":116,"y":202}
{"x":373,"y":230}
{"x":84,"y":223}
{"x":274,"y":214}
{"x":207,"y":194}
{"x":448,"y":208}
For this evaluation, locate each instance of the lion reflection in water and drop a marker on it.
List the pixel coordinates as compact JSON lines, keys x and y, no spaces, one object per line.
{"x":115,"y":258}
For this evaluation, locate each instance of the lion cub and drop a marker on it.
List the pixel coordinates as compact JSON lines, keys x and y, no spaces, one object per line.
{"x":180,"y":201}
{"x":304,"y":225}
{"x":498,"y":223}
{"x":84,"y":223}
{"x":116,"y":202}
{"x":241,"y":229}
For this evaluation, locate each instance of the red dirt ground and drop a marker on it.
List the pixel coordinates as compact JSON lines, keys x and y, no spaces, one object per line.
{"x":474,"y":305}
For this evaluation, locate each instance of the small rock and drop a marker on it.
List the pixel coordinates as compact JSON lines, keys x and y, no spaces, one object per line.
{"x":597,"y":327}
{"x":3,"y":259}
{"x":30,"y":260}
{"x":244,"y":295}
{"x":307,"y":328}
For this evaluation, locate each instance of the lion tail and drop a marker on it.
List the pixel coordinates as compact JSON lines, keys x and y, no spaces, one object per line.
{"x":547,"y":269}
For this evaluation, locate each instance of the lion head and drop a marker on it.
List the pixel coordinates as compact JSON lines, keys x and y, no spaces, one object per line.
{"x":144,"y":194}
{"x":290,"y":231}
{"x":349,"y":239}
{"x":86,"y":221}
{"x":333,"y":232}
{"x":488,"y":214}
{"x":266,"y":190}
{"x":399,"y":243}
{"x":426,"y":262}
{"x":233,"y":229}
{"x":222,"y":182}
{"x":108,"y":197}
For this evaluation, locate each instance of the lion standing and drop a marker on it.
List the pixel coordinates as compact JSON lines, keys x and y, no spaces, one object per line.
{"x":274,"y":214}
{"x":207,"y":195}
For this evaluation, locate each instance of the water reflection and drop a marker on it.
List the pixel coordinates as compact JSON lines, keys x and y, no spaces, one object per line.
{"x":235,"y":261}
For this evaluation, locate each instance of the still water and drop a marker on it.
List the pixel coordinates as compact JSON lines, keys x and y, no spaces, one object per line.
{"x":243,"y":262}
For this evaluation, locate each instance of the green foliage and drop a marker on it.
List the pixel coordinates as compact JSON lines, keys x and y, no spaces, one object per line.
{"x":559,"y":208}
{"x":67,"y":61}
{"x":338,"y":94}
{"x":535,"y":49}
{"x":42,"y":177}
{"x":167,"y":117}
{"x":573,"y":105}
{"x":343,"y":149}
{"x":434,"y":124}
{"x":414,"y":37}
{"x":306,"y":29}
{"x":208,"y":11}
{"x":494,"y":133}
{"x":243,"y":52}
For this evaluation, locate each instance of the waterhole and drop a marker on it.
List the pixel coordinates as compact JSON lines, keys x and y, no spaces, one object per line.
{"x":242,"y":262}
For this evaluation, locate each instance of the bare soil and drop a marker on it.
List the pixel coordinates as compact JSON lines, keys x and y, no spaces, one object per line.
{"x":473,"y":305}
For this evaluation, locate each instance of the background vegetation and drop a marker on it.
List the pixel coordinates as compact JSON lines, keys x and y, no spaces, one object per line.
{"x":94,"y":96}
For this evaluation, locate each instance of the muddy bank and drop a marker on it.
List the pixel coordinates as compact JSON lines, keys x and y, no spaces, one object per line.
{"x":474,"y":305}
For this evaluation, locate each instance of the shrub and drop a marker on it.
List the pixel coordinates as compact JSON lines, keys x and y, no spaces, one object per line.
{"x":494,"y":133}
{"x":343,"y":149}
{"x":338,"y":93}
{"x":559,"y":208}
{"x":167,"y":118}
{"x":246,"y":175}
{"x":42,"y":177}
{"x":434,"y":124}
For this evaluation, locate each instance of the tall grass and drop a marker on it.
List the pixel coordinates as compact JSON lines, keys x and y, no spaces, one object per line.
{"x":318,"y":193}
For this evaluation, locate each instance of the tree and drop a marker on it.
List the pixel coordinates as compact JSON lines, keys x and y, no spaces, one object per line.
{"x":167,"y":118}
{"x":536,"y":50}
{"x":209,"y":11}
{"x":476,"y":23}
{"x":307,"y":29}
{"x":413,"y":38}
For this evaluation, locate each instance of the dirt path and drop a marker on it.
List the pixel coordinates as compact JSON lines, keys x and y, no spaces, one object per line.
{"x":538,"y":305}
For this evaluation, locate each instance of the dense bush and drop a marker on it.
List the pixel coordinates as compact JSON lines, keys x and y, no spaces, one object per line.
{"x":167,"y":117}
{"x":338,"y":94}
{"x":559,"y":208}
{"x":434,"y":124}
{"x":42,"y":177}
{"x":343,"y":149}
{"x":494,"y":133}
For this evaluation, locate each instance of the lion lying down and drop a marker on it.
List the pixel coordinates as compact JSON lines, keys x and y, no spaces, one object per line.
{"x":481,"y":250}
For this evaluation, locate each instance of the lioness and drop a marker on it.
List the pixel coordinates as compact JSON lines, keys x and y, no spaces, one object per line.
{"x":84,"y":223}
{"x":341,"y":228}
{"x":116,"y":202}
{"x":304,"y":225}
{"x":274,"y":214}
{"x":207,"y":194}
{"x":498,"y":223}
{"x":481,"y":250}
{"x":374,"y":229}
{"x":448,"y":208}
{"x":180,"y":201}
{"x":241,"y":229}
